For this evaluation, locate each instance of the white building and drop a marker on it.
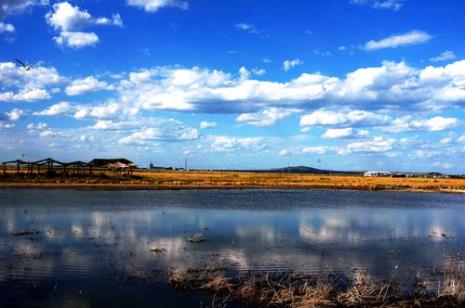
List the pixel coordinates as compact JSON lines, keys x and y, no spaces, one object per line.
{"x":377,"y":173}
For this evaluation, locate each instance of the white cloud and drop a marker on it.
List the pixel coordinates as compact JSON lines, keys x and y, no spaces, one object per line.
{"x":249,"y":28}
{"x":407,"y":123}
{"x":115,"y":125}
{"x":25,"y":95}
{"x":394,"y":5}
{"x":14,"y":7}
{"x":314,"y":150}
{"x":324,"y":117}
{"x":444,"y":56}
{"x":376,"y":145}
{"x":56,"y":109}
{"x":13,"y":76}
{"x":258,"y":71}
{"x":266,"y":117}
{"x":206,"y":124}
{"x":154,"y":5}
{"x":70,"y":21}
{"x":340,"y":133}
{"x":174,"y":133}
{"x":288,"y":64}
{"x":231,"y":144}
{"x":398,"y":40}
{"x":13,"y":115}
{"x":86,"y":85}
{"x":77,"y":39}
{"x":5,"y":27}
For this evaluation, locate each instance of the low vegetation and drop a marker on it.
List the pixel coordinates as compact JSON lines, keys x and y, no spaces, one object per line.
{"x":291,"y":289}
{"x":142,"y":179}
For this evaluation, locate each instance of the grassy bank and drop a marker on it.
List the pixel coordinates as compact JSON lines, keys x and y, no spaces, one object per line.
{"x":290,"y":289}
{"x":232,"y":180}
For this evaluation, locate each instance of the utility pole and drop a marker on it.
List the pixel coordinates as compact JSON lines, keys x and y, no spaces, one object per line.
{"x":185,"y":164}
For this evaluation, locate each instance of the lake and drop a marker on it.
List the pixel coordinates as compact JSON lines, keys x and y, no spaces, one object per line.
{"x":89,"y":248}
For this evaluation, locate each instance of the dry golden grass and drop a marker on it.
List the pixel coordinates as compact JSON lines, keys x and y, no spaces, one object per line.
{"x":279,"y":180}
{"x":143,"y":179}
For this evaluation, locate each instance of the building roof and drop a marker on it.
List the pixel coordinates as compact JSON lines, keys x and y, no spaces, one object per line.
{"x":102,"y":162}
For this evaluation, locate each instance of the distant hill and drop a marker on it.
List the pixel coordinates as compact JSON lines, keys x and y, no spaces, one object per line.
{"x":305,"y":169}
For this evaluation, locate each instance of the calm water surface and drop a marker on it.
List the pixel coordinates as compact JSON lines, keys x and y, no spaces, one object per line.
{"x":95,"y":247}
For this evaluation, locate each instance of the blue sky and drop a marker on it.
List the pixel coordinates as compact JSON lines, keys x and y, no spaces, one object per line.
{"x":348,"y":85}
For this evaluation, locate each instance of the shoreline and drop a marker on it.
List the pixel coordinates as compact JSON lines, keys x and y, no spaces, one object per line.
{"x":142,"y":187}
{"x":204,"y":180}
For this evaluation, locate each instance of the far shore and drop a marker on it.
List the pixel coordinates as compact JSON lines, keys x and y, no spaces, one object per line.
{"x":179,"y":180}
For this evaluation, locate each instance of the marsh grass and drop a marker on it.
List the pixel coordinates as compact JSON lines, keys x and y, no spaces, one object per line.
{"x":289,"y":289}
{"x":144,"y":179}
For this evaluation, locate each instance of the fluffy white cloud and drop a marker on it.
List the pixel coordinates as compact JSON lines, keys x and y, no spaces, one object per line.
{"x":394,"y":5}
{"x":56,"y":109}
{"x":25,"y":95}
{"x":340,"y":133}
{"x":76,"y":39}
{"x":375,"y":145}
{"x":86,"y":85}
{"x":13,"y":7}
{"x":407,"y":123}
{"x":319,"y":150}
{"x":197,"y":89}
{"x":173,"y":133}
{"x":288,"y":64}
{"x":154,"y":5}
{"x":13,"y":76}
{"x":444,"y":56}
{"x":5,"y":27}
{"x":70,"y":21}
{"x":13,"y":115}
{"x":231,"y":144}
{"x":206,"y":124}
{"x":398,"y":40}
{"x":324,"y":117}
{"x":266,"y":117}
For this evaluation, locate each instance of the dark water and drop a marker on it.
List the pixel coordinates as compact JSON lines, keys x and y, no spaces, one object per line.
{"x":94,"y":248}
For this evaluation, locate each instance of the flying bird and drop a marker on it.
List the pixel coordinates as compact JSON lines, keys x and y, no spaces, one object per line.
{"x":26,"y":66}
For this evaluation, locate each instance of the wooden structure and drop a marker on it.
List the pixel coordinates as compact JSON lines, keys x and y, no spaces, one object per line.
{"x":50,"y":167}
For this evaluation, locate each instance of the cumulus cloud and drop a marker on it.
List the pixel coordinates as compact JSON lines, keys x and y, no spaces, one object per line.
{"x":375,"y":145}
{"x":5,"y":27}
{"x":13,"y":115}
{"x":70,"y":21}
{"x":15,"y":7}
{"x":324,"y":117}
{"x":289,"y":64}
{"x":13,"y":76}
{"x":266,"y":117}
{"x":206,"y":124}
{"x":177,"y":132}
{"x":394,"y":5}
{"x":398,"y":40}
{"x":86,"y":85}
{"x":152,"y":6}
{"x":232,"y":144}
{"x":435,"y":124}
{"x":319,"y":150}
{"x":56,"y":109}
{"x":341,"y":133}
{"x":444,"y":56}
{"x":25,"y":95}
{"x":202,"y":90}
{"x":76,"y":39}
